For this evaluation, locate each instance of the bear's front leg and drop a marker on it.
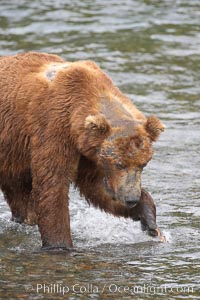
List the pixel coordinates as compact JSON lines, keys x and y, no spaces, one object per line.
{"x":51,"y":173}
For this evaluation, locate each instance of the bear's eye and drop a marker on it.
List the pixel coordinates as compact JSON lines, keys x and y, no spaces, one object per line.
{"x":119,"y":166}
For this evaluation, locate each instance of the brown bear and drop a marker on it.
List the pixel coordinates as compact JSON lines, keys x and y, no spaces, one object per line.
{"x":62,"y":123}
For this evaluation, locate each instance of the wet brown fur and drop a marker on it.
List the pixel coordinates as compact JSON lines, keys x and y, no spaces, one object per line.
{"x":54,"y":117}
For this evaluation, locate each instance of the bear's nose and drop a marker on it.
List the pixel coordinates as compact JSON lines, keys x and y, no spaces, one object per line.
{"x":131,"y":201}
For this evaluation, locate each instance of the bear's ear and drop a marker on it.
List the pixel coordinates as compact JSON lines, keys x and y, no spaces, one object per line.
{"x":154,"y":127}
{"x":97,"y":123}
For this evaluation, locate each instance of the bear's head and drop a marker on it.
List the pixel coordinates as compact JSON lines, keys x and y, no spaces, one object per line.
{"x":121,"y":153}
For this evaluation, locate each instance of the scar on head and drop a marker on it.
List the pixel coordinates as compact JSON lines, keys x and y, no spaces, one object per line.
{"x":53,"y":69}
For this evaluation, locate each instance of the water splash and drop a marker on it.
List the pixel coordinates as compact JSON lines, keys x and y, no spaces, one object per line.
{"x":95,"y":227}
{"x":168,"y":236}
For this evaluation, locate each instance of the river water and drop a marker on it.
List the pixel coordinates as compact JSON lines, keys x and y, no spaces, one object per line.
{"x":151,"y":49}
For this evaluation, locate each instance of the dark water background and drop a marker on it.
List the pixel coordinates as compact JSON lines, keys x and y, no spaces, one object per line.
{"x":151,"y":49}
